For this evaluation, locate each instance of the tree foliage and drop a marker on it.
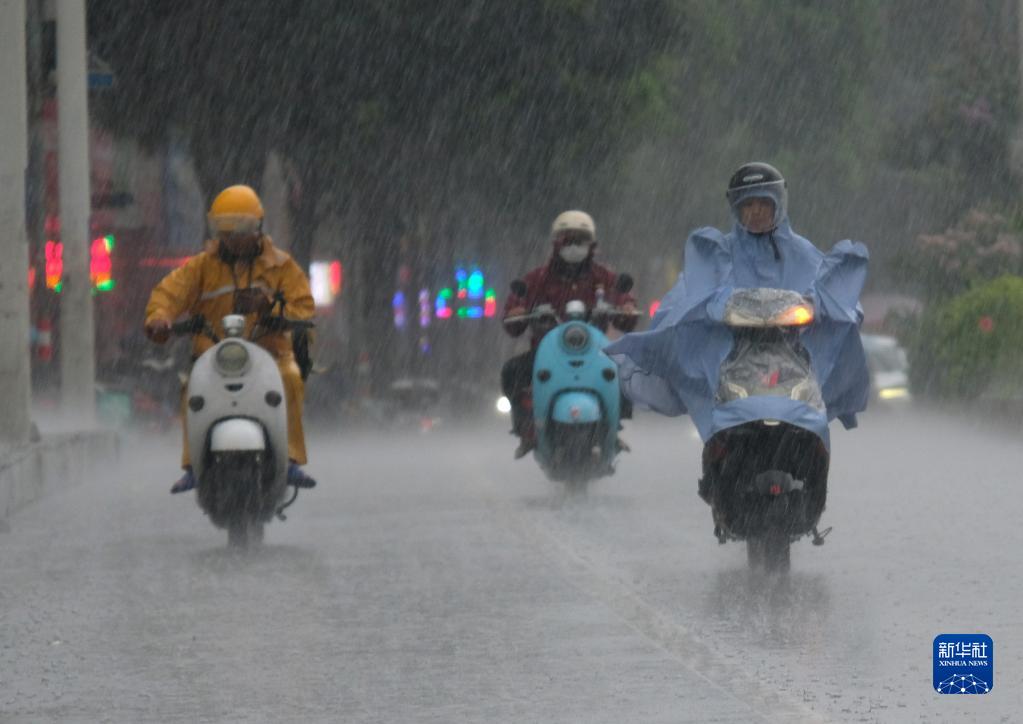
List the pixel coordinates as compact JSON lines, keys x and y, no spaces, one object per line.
{"x":390,"y":110}
{"x":963,"y":110}
{"x":458,"y":127}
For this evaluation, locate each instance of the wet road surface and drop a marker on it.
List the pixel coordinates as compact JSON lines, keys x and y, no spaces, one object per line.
{"x":432,"y":578}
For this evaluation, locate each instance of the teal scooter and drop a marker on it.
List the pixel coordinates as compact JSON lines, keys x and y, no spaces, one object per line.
{"x":575,"y":392}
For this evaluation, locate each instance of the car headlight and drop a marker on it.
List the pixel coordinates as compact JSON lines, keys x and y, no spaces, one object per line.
{"x":893,"y":393}
{"x":575,"y":338}
{"x":232,"y":359}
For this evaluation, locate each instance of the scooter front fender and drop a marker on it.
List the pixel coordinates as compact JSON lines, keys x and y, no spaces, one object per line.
{"x":237,"y":434}
{"x":576,"y":408}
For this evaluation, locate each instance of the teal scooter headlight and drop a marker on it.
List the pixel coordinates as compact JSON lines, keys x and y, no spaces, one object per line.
{"x":575,"y":338}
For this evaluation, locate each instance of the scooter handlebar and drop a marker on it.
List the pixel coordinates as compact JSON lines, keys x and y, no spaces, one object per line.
{"x":190,"y":326}
{"x":607,"y":310}
{"x":539,"y":314}
{"x":193,"y":326}
{"x":283,"y":324}
{"x":544,"y":311}
{"x":198,"y":325}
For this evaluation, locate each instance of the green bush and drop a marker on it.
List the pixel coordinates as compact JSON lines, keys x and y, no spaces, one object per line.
{"x":972,"y":345}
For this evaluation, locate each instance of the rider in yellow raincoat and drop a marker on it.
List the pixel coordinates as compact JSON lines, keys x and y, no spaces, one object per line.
{"x":239,"y":272}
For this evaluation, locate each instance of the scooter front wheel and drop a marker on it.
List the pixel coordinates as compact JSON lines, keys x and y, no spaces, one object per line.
{"x":244,"y":533}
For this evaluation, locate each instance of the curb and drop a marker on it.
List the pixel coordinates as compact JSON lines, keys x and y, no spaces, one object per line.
{"x":35,"y":470}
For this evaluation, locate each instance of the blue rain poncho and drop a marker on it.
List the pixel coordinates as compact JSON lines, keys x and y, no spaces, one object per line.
{"x":674,"y":367}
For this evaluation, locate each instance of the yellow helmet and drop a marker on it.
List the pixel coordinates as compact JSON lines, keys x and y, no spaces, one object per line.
{"x":238,"y":210}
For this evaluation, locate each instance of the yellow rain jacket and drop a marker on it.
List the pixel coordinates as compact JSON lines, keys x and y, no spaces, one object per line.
{"x":206,"y":285}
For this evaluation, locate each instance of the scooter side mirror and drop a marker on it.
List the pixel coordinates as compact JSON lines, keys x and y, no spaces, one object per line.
{"x":519,"y":288}
{"x":624,"y":283}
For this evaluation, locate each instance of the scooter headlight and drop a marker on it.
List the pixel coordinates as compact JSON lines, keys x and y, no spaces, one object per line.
{"x":575,"y":338}
{"x":232,"y":359}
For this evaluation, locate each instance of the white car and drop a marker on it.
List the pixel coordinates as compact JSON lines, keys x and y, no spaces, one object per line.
{"x":889,"y":368}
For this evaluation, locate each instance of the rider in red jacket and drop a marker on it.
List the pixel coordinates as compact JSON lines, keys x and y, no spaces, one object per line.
{"x":570,"y":273}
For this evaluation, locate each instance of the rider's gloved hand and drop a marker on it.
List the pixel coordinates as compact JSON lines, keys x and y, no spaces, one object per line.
{"x":158,"y":330}
{"x":515,"y":328}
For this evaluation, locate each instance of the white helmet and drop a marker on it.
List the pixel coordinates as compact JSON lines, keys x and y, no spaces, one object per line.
{"x":573,"y":221}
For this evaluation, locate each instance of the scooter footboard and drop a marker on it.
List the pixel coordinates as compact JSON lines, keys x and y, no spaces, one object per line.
{"x":576,"y":408}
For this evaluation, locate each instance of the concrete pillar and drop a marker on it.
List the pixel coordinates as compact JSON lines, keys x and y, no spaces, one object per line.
{"x":15,"y":382}
{"x":274,"y":193}
{"x":77,"y":354}
{"x":1016,"y":139}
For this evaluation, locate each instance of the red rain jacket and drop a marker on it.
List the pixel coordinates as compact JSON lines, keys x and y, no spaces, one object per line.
{"x":557,"y":283}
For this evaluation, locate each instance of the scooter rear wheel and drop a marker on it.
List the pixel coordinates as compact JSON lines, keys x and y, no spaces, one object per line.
{"x":769,"y":552}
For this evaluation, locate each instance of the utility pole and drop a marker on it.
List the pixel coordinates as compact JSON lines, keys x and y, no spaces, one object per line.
{"x":36,"y":181}
{"x":15,"y":381}
{"x":1016,"y":141}
{"x":77,"y":340}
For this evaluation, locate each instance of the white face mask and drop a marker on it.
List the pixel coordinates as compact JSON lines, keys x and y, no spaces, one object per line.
{"x":574,"y":253}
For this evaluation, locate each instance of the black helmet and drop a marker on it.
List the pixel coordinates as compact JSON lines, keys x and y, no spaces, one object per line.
{"x":758,"y":179}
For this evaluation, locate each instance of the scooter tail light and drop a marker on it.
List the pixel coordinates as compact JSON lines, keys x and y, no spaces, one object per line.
{"x":716,"y":450}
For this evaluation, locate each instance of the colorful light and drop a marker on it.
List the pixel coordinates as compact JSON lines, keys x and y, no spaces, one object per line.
{"x":424,"y":308}
{"x":325,"y":281}
{"x":100,"y":263}
{"x":654,"y":306}
{"x":475,"y":284}
{"x":442,"y":305}
{"x":54,"y":265}
{"x":336,"y":277}
{"x":398,"y":304}
{"x":469,"y":298}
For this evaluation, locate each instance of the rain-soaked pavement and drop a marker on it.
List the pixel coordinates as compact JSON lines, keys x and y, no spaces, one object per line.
{"x":431,"y":578}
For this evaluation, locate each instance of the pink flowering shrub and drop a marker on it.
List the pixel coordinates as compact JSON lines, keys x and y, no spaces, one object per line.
{"x":982,"y":246}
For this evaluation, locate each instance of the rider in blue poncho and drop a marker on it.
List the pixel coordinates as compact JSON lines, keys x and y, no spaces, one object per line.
{"x":674,"y":367}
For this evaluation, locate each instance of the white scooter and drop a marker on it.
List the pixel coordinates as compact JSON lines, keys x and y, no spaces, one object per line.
{"x":237,"y":429}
